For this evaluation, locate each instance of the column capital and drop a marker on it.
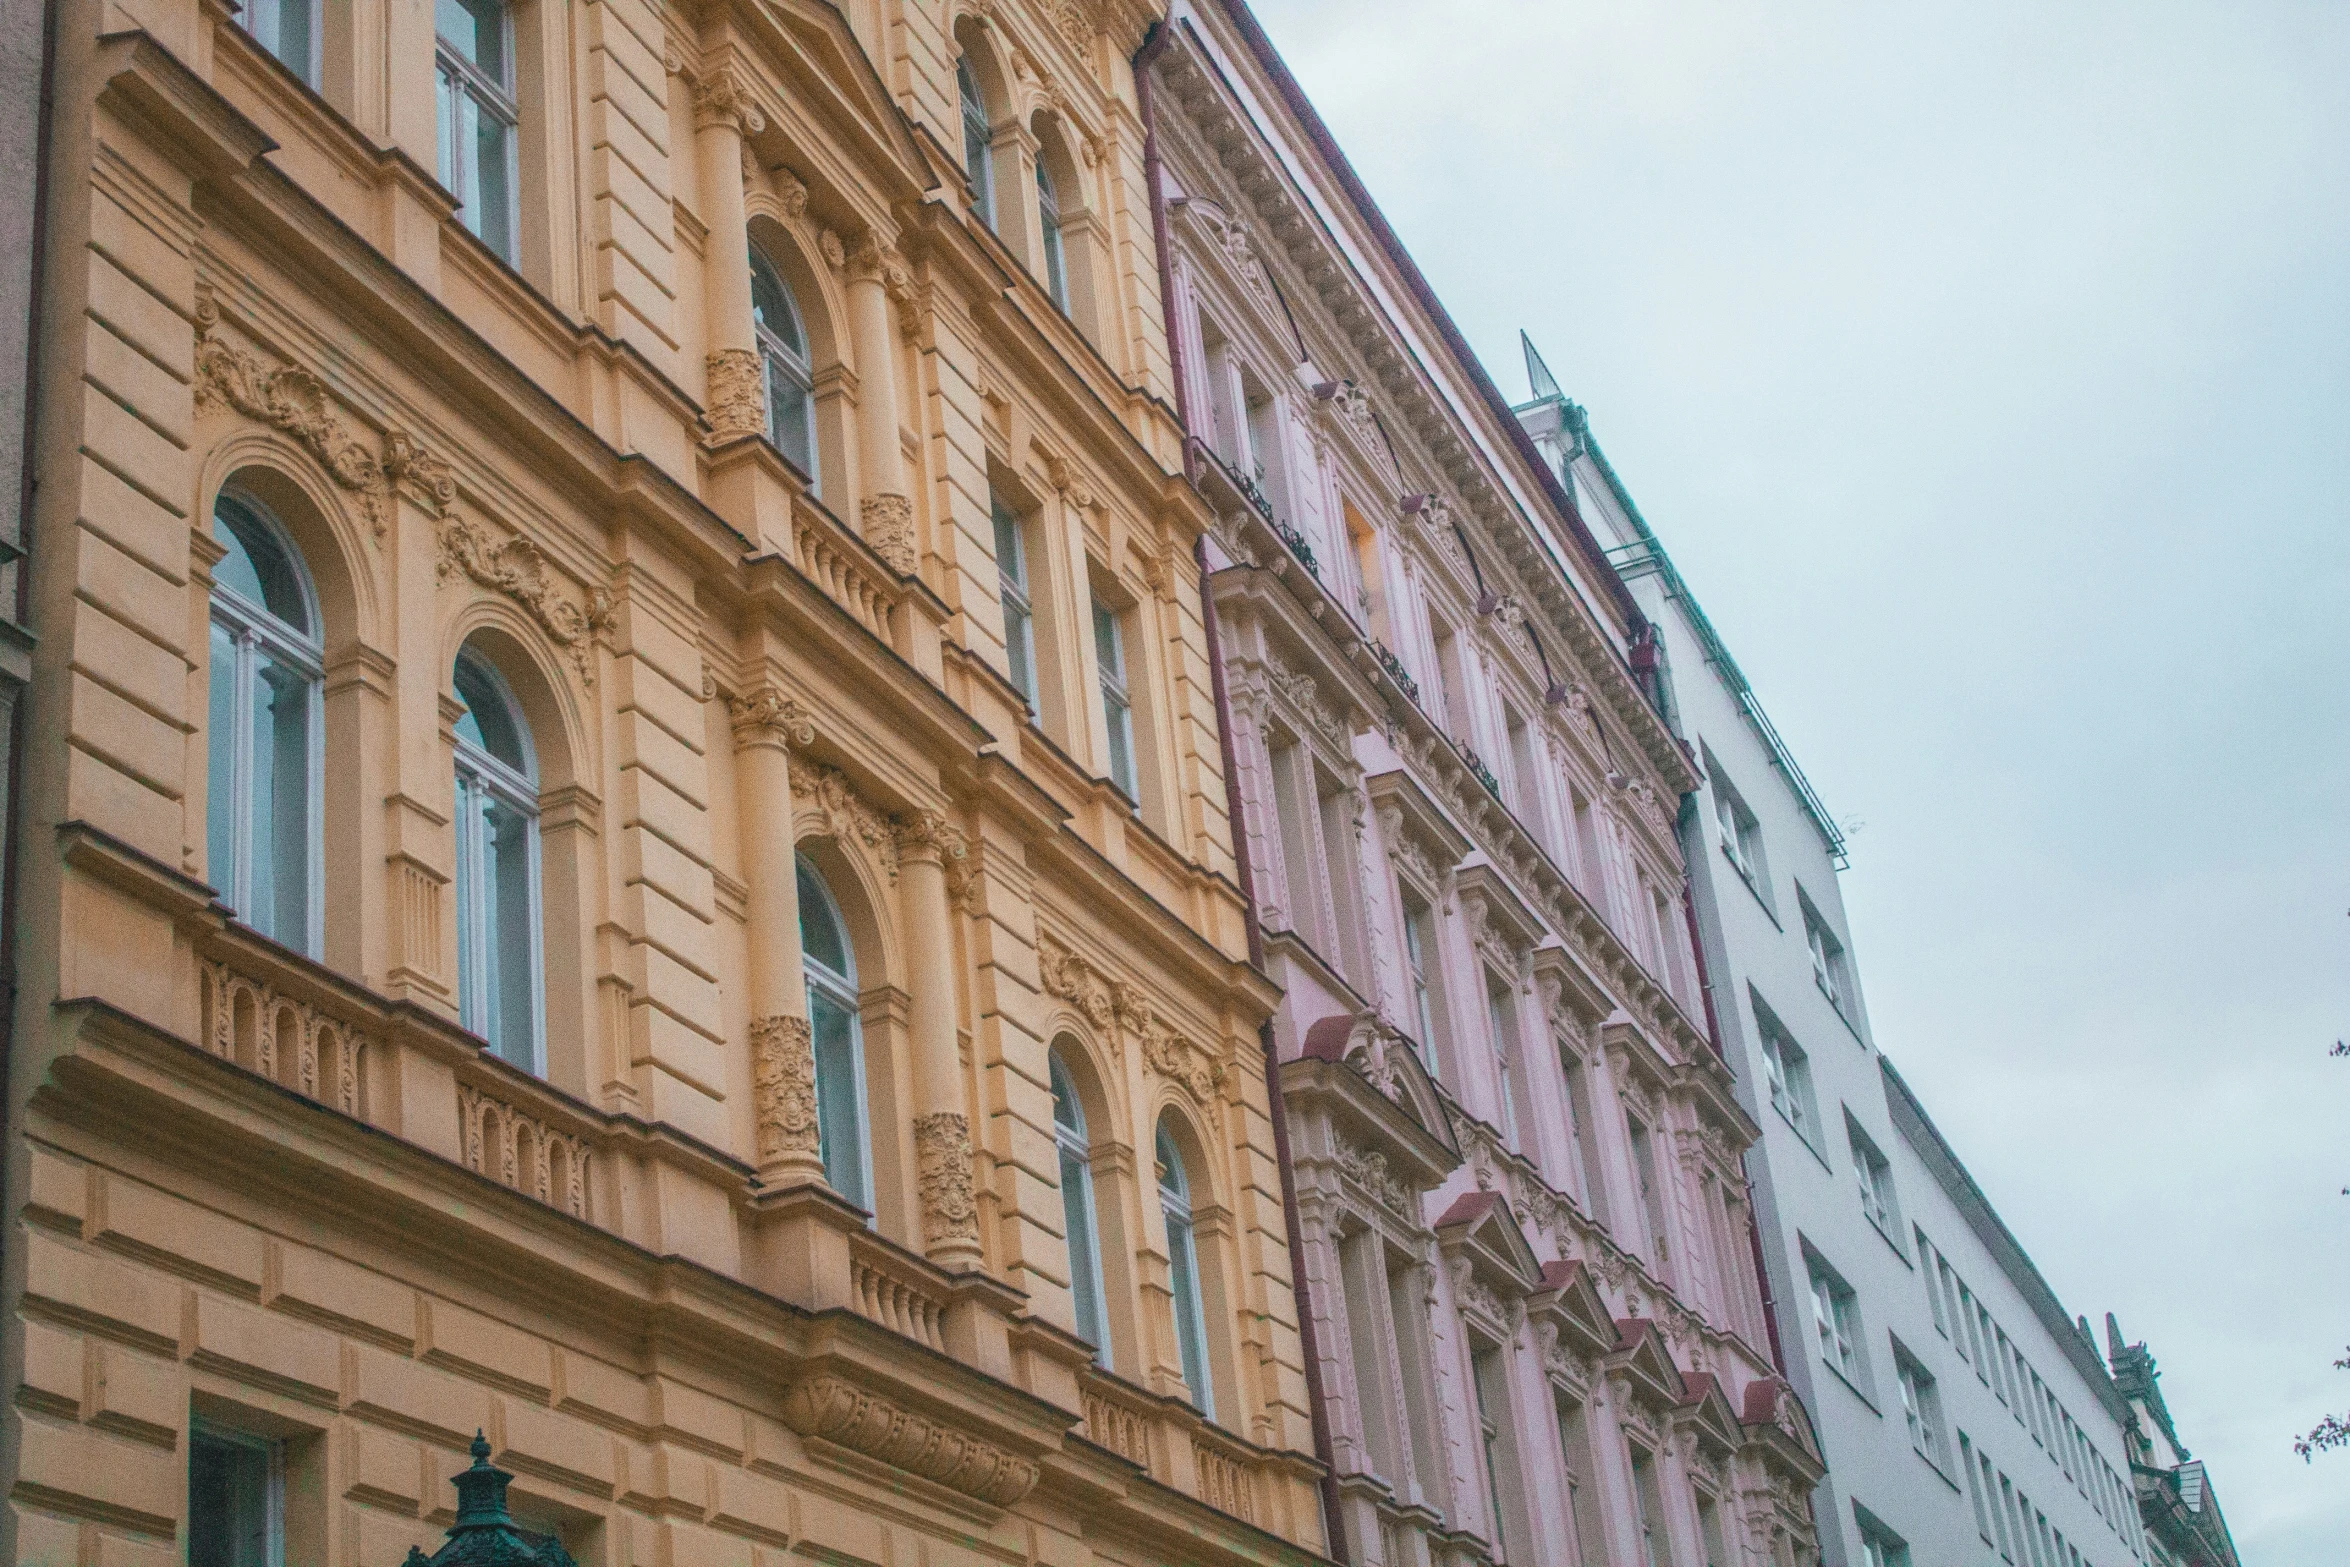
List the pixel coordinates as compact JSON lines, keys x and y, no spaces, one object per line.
{"x":723,"y":99}
{"x":926,"y":836}
{"x":767,"y":716}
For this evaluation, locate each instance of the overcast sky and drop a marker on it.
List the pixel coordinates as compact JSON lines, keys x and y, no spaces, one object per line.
{"x":1986,"y":368}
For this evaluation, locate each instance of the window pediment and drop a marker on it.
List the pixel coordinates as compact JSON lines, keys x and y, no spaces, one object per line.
{"x":1485,"y":1243}
{"x":1422,"y":840}
{"x":1707,"y":1412}
{"x":1377,"y":1096}
{"x":1641,"y":1358}
{"x":1569,"y":1302}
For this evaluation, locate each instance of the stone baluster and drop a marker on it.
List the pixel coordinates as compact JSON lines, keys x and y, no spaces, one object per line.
{"x":927,"y":844}
{"x":783,"y":1063}
{"x":736,"y":400}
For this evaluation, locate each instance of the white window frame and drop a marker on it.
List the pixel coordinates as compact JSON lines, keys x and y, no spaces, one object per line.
{"x":1011,"y":561}
{"x":1048,"y":218}
{"x":1416,"y":964}
{"x":1920,"y":1407}
{"x":257,"y":632}
{"x":1183,"y":1275}
{"x":1109,"y":638}
{"x":459,"y":81}
{"x":499,"y":783}
{"x":1836,"y":1324}
{"x":978,"y":140}
{"x":778,"y":358}
{"x":1078,"y":1212}
{"x":840,"y":989}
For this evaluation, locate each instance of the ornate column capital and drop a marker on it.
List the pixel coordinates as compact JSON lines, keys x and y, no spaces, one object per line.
{"x":766,"y":716}
{"x":724,"y":99}
{"x":927,"y":837}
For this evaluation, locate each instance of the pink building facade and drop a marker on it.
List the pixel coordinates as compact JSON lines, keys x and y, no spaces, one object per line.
{"x":1522,"y":1228}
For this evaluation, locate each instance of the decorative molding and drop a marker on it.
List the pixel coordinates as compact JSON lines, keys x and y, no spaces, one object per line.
{"x":1105,"y":1000}
{"x":417,"y":473}
{"x":1649,"y":804}
{"x":783,"y":1088}
{"x":846,"y":813}
{"x":1367,"y":1168}
{"x":1232,"y":238}
{"x":1302,"y":693}
{"x":830,"y":1408}
{"x":523,"y":572}
{"x":736,"y":402}
{"x":791,"y":193}
{"x":522,"y":1152}
{"x":724,"y":98}
{"x":769,"y":715}
{"x":887,"y":522}
{"x":293,"y":400}
{"x":942,"y":1155}
{"x":1573,"y":700}
{"x":284,"y":1040}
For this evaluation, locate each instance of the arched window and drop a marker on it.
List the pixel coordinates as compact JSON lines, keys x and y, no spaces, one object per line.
{"x":838,"y":1038}
{"x":264,"y":849}
{"x":1085,"y":1253}
{"x":1183,"y":1272}
{"x":501,"y":980}
{"x":783,"y":358}
{"x":477,"y":113}
{"x":1056,"y":263}
{"x":978,"y":149}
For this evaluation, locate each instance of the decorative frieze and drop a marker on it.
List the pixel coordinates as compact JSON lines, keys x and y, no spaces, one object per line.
{"x":282,"y":1039}
{"x":845,"y":813}
{"x":1367,"y":1168}
{"x":522,"y":571}
{"x":1106,"y":1002}
{"x":736,"y":402}
{"x":783,"y":1089}
{"x":887,"y":522}
{"x":832,"y":1409}
{"x":292,"y":400}
{"x":942,"y":1156}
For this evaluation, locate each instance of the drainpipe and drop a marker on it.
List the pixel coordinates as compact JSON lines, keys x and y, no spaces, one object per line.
{"x":1161,"y":35}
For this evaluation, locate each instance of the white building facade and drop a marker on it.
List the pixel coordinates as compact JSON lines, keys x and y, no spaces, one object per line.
{"x":1884,"y":1266}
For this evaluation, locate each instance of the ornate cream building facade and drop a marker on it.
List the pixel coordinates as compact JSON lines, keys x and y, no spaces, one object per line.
{"x":1532,"y":1311}
{"x":624,"y":831}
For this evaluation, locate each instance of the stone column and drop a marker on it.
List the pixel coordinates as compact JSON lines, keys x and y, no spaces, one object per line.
{"x":927,"y":844}
{"x":783,"y":1062}
{"x":735,"y":402}
{"x":884,"y":513}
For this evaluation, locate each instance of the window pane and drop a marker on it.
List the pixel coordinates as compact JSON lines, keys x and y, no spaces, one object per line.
{"x":257,"y":567}
{"x":494,"y":196}
{"x":1184,"y":1268}
{"x":821,"y":938}
{"x":840,"y":1116}
{"x":1077,"y":1211}
{"x":514,"y":1028}
{"x":286,"y":826}
{"x":263,"y":781}
{"x":445,"y":109}
{"x":468,"y":188}
{"x":1121,"y":724}
{"x":472,"y":1009}
{"x":220,"y":743}
{"x":476,"y":30}
{"x":228,"y":1502}
{"x":788,"y":416}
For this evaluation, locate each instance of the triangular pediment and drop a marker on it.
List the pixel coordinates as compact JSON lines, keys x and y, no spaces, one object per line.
{"x":1707,"y":1411}
{"x":1640,"y":1351}
{"x":1571,"y":1298}
{"x":1480,"y":1226}
{"x":828,"y":79}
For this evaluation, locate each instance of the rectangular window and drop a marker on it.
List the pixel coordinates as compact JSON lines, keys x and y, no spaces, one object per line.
{"x":1489,"y":1383}
{"x":1738,"y":831}
{"x":1419,"y":950}
{"x":1109,"y":643}
{"x":1827,"y":957}
{"x":1787,"y":1074}
{"x":1836,"y":1321}
{"x":1501,"y":1014}
{"x":1361,"y":1265}
{"x":289,"y":30}
{"x":1452,"y":679}
{"x":1292,"y":784}
{"x":1588,"y":879}
{"x":1652,"y":1198}
{"x":1525,"y":795}
{"x":1975,"y":1489}
{"x":1581,"y":1124}
{"x":1879,"y":1546}
{"x":1407,"y":1318}
{"x":1650,"y":1504}
{"x":1583,"y":1507}
{"x":477,"y":116}
{"x":1921,"y":1407}
{"x":236,"y":1498}
{"x":2011,"y":1543}
{"x":1011,"y":564}
{"x":1875,"y":1178}
{"x":1342,"y":881}
{"x":1710,"y":1538}
{"x":1928,"y":1260}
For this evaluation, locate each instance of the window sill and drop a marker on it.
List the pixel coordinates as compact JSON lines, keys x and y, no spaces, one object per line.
{"x":1932,"y":1463}
{"x":1889,"y":1237}
{"x":1747,"y":877}
{"x":1855,"y":1388}
{"x":1806,"y":1141}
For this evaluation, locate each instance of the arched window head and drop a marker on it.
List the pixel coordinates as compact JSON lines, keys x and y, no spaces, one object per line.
{"x":1056,"y":265}
{"x":837,"y":1035}
{"x":265,"y":729}
{"x":501,"y":974}
{"x":783,"y":361}
{"x":978,"y":149}
{"x":1077,"y":1209}
{"x":1183,"y":1270}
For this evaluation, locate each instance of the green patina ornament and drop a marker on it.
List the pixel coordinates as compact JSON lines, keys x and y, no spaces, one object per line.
{"x":485,"y":1534}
